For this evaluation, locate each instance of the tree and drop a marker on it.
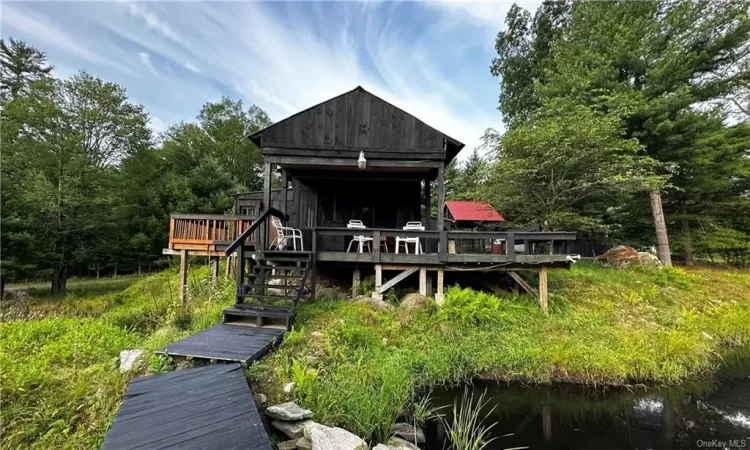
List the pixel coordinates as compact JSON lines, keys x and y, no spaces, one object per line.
{"x":563,"y":155}
{"x":20,"y":66}
{"x":65,"y":139}
{"x":523,"y":56}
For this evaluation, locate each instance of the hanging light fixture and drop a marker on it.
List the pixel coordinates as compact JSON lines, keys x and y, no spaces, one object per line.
{"x":362,"y":162}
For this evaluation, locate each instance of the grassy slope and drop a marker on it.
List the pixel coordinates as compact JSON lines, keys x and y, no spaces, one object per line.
{"x":358,"y":368}
{"x":59,"y":382}
{"x":60,"y":386}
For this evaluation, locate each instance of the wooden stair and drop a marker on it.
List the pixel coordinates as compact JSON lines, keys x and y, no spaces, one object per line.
{"x":268,"y":295}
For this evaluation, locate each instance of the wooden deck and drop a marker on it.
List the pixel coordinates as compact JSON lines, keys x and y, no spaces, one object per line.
{"x":205,"y":407}
{"x":234,"y":343}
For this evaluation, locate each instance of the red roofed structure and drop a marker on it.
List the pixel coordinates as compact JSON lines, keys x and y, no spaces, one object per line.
{"x":468,"y":211}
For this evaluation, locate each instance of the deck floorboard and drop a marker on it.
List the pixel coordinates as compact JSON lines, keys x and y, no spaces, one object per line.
{"x":200,"y":408}
{"x":222,"y":342}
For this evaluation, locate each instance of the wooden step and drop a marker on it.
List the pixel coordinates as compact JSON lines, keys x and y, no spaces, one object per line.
{"x":261,"y":268}
{"x":300,"y":254}
{"x":247,"y":287}
{"x":290,"y":297}
{"x":261,"y":316}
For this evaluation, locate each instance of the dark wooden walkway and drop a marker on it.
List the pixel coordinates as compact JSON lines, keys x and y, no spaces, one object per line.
{"x":208,"y":407}
{"x":221,"y":342}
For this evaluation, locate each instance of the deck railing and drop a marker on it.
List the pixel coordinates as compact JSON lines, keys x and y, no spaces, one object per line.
{"x":196,"y":231}
{"x":447,"y":246}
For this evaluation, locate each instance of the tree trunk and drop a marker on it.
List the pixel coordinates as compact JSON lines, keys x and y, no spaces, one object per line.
{"x":59,"y":279}
{"x":662,"y":240}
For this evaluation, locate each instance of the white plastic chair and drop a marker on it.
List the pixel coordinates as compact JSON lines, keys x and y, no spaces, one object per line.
{"x":361,"y":240}
{"x":284,"y":234}
{"x":411,"y":226}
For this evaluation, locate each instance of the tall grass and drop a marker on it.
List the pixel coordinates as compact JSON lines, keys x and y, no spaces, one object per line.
{"x":359,"y":368}
{"x":466,"y":430}
{"x":59,"y":379}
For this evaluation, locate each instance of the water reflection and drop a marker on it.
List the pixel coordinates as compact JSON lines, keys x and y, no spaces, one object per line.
{"x":575,"y":417}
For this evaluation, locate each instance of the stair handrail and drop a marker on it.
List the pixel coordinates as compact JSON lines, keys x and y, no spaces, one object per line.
{"x":258,"y":222}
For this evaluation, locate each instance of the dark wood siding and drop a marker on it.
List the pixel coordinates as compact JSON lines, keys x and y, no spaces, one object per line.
{"x":353,"y":122}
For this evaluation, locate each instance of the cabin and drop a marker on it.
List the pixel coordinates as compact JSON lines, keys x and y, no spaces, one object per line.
{"x":471,"y":215}
{"x":357,"y":176}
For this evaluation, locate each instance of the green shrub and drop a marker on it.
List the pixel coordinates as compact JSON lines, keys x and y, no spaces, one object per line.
{"x":469,"y":307}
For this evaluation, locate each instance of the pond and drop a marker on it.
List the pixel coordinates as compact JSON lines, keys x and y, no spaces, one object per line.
{"x":710,"y":413}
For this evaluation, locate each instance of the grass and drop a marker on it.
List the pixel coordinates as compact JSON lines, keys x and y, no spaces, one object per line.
{"x":360,"y":369}
{"x":59,"y":379}
{"x":363,"y":369}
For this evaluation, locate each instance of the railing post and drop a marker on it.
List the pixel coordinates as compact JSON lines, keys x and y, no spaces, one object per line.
{"x":314,"y":264}
{"x":171,"y":228}
{"x":443,"y":246}
{"x":510,"y":247}
{"x":240,"y":271}
{"x":376,"y":246}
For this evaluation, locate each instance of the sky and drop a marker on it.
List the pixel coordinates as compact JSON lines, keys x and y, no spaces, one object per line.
{"x":429,"y":58}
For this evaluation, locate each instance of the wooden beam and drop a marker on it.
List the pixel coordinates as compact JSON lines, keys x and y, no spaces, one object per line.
{"x":441,"y":198}
{"x":183,"y":277}
{"x":526,"y":286}
{"x":440,"y":295}
{"x":284,"y":195}
{"x":398,"y":278}
{"x":423,"y":281}
{"x":378,"y":282}
{"x":356,"y":281}
{"x":349,"y":162}
{"x":543,"y":288}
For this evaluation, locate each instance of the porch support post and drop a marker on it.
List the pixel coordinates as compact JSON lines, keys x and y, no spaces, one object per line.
{"x":440,"y":296}
{"x":427,"y":203}
{"x":378,"y":282}
{"x":423,"y":280}
{"x":428,"y":284}
{"x":356,"y":278}
{"x":543,"y":288}
{"x":441,"y":198}
{"x":284,"y":194}
{"x":266,"y":203}
{"x":183,"y":277}
{"x":215,"y":267}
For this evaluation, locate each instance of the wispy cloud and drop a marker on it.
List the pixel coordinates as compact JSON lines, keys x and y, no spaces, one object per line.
{"x":429,"y":59}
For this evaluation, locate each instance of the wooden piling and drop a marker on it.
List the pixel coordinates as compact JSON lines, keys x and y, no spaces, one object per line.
{"x":183,"y":277}
{"x":543,"y":288}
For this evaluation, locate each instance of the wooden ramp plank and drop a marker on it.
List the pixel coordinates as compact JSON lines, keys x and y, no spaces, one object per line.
{"x":222,"y":342}
{"x":202,"y":408}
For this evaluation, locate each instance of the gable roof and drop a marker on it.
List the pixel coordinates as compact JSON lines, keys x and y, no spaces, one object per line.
{"x":355,"y":121}
{"x":473,"y":211}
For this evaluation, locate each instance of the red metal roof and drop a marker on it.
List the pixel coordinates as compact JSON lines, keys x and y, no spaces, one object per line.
{"x":473,"y":211}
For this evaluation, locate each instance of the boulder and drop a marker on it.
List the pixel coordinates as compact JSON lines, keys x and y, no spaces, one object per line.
{"x":304,"y":443}
{"x":374,"y":303}
{"x":624,"y":256}
{"x":130,"y":359}
{"x":413,"y":301}
{"x":408,"y":432}
{"x":288,"y":411}
{"x":382,"y":447}
{"x":293,"y":430}
{"x":333,"y":438}
{"x":287,"y":445}
{"x":399,"y":444}
{"x":260,"y":400}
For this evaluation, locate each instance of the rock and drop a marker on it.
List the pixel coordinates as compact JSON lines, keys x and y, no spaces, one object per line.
{"x":293,"y":430}
{"x":382,"y":447}
{"x":624,"y":256}
{"x":289,"y":387}
{"x":400,"y":444}
{"x":331,"y":293}
{"x":333,"y":438}
{"x":408,"y":432}
{"x":413,"y":301}
{"x":648,"y":259}
{"x":304,"y":443}
{"x":373,"y":302}
{"x":287,"y":445}
{"x":288,"y":411}
{"x":260,"y":399}
{"x":130,"y":359}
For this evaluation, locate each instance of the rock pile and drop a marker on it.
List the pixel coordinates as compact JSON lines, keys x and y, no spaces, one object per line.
{"x":624,"y":256}
{"x":305,"y":434}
